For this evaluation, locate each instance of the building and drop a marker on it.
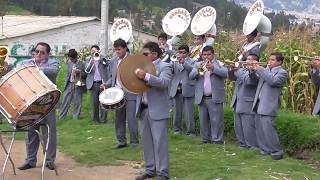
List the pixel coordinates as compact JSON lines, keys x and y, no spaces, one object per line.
{"x":21,"y":33}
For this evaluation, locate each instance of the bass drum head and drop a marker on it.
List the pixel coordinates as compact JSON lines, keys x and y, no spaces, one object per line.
{"x":38,"y":110}
{"x":203,"y":20}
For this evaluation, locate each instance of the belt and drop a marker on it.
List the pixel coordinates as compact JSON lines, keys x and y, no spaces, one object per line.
{"x":143,"y":106}
{"x":207,"y":96}
{"x":97,"y":81}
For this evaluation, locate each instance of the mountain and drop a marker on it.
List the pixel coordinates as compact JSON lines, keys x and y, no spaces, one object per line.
{"x":306,"y":7}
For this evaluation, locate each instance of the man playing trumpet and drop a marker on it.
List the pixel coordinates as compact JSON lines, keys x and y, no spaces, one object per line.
{"x":315,"y":78}
{"x":182,"y":91}
{"x":242,"y":100}
{"x":266,"y":104}
{"x":75,"y":73}
{"x":210,"y":95}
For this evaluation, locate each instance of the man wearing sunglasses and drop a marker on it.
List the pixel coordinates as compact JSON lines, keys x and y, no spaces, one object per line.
{"x":153,"y":110}
{"x":50,"y":68}
{"x":182,"y":91}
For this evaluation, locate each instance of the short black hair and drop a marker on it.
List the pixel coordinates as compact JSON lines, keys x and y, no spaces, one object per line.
{"x":120,"y":43}
{"x":279,"y":56}
{"x":48,"y":48}
{"x":153,"y":47}
{"x":163,"y":35}
{"x":201,"y":36}
{"x":72,"y":53}
{"x":254,"y":55}
{"x":208,"y":48}
{"x":95,"y":46}
{"x":184,"y":47}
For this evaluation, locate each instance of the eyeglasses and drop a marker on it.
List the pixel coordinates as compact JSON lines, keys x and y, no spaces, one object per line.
{"x":40,"y":52}
{"x":183,"y":52}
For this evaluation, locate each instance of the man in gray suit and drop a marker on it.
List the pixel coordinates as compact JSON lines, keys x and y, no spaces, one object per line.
{"x":182,"y":91}
{"x":315,"y":78}
{"x":210,"y":95}
{"x":97,"y":73}
{"x":50,"y":68}
{"x":75,"y":72}
{"x":266,"y":104}
{"x":242,"y":100}
{"x":126,"y":113}
{"x":153,"y":110}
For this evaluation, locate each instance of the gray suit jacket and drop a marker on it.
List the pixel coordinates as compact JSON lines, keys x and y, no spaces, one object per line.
{"x":218,"y":75}
{"x":183,"y":76}
{"x":80,"y":65}
{"x":103,"y":70}
{"x":112,"y":80}
{"x":267,"y":98}
{"x":315,"y":78}
{"x":158,"y":98}
{"x":244,"y":92}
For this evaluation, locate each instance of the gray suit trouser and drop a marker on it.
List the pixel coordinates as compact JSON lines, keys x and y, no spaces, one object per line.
{"x":95,"y":104}
{"x":75,"y":93}
{"x":186,"y":105}
{"x":267,"y":136}
{"x":127,"y":113}
{"x":211,"y":121}
{"x":245,"y":130}
{"x":155,"y":144}
{"x":33,"y":141}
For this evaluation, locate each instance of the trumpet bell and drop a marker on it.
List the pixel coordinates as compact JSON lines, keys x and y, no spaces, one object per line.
{"x":80,"y":83}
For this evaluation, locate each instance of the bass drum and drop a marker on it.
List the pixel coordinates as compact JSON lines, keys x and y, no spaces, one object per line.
{"x":27,"y":96}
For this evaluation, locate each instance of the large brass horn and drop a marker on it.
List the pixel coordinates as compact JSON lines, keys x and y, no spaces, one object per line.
{"x":4,"y":52}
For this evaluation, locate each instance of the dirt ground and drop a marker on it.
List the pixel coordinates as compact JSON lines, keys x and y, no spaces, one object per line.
{"x":68,"y":169}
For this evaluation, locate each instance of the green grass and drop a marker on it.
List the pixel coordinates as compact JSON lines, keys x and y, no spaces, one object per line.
{"x":93,"y":145}
{"x":16,"y":10}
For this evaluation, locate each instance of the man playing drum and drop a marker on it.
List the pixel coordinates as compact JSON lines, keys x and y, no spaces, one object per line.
{"x":50,"y":68}
{"x":127,"y":112}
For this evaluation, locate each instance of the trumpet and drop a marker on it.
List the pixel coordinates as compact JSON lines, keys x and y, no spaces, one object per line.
{"x":94,"y":57}
{"x":77,"y":77}
{"x":248,"y":65}
{"x":174,"y":58}
{"x":296,"y":58}
{"x":203,"y":68}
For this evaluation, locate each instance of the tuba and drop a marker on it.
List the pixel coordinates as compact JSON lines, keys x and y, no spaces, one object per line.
{"x":122,"y":29}
{"x":175,"y":23}
{"x":4,"y":52}
{"x":203,"y":22}
{"x":256,"y":20}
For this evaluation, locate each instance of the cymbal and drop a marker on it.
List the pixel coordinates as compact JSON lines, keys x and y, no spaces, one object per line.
{"x":127,"y":75}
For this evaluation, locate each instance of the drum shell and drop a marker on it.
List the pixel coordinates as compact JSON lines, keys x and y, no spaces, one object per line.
{"x":27,"y":96}
{"x":114,"y":106}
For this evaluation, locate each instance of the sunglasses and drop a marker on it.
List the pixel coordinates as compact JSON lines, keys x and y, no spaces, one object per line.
{"x":146,"y":54}
{"x":40,"y":52}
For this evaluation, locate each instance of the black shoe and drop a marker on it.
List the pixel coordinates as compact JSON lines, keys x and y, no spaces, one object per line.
{"x":26,"y":166}
{"x":144,"y":176}
{"x":162,"y":178}
{"x":51,"y":166}
{"x":119,"y":146}
{"x":277,"y":157}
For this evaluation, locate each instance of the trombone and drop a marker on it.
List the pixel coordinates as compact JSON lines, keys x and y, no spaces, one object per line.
{"x":296,"y":58}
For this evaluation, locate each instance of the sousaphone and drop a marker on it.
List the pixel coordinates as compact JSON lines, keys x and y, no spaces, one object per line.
{"x":127,"y":73}
{"x":122,"y":29}
{"x":204,"y":21}
{"x":176,"y":21}
{"x":256,"y":20}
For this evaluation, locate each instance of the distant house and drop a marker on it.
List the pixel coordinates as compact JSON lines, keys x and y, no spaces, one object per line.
{"x":21,"y":33}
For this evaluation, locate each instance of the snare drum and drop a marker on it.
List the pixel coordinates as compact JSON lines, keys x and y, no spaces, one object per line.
{"x":27,"y":96}
{"x":112,"y":98}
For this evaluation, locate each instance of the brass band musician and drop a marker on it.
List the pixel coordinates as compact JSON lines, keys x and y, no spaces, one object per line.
{"x":74,"y":86}
{"x":315,"y":77}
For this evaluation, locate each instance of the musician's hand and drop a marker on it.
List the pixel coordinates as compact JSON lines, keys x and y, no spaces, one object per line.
{"x":233,"y":67}
{"x":103,"y":86}
{"x":141,"y":74}
{"x":255,"y":67}
{"x":210,"y":66}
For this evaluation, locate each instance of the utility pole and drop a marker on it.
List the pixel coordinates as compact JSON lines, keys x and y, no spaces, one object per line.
{"x":104,"y":26}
